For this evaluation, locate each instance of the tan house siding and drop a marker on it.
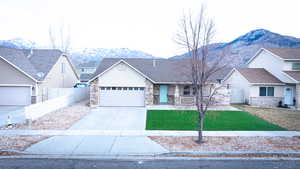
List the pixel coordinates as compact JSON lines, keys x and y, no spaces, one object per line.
{"x":10,"y":75}
{"x":58,"y":79}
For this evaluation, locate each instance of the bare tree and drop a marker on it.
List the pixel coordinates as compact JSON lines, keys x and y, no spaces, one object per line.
{"x":195,"y":36}
{"x":64,"y":38}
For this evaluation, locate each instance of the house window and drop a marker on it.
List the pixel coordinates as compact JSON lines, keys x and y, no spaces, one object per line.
{"x":296,"y":66}
{"x":186,"y":90}
{"x":266,"y":91}
{"x":228,"y":86}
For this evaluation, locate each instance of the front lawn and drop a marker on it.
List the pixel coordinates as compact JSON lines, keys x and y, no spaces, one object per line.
{"x":214,"y":121}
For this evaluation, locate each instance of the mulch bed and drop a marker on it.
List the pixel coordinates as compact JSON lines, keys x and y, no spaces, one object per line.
{"x":56,"y":120}
{"x":19,"y":142}
{"x":229,"y":144}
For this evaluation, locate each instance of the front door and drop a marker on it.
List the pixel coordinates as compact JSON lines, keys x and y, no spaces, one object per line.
{"x":163,"y":94}
{"x":288,"y":95}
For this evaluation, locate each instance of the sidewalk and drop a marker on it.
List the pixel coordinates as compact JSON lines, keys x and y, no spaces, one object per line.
{"x":96,"y":145}
{"x":107,"y":143}
{"x":146,"y":133}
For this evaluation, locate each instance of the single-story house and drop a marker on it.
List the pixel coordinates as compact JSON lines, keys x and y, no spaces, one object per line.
{"x":271,"y":79}
{"x":143,"y":82}
{"x":25,"y":74}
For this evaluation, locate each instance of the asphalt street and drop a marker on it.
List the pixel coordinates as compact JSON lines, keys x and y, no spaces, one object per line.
{"x":145,"y":164}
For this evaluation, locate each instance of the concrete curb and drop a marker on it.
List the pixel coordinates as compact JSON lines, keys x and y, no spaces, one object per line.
{"x":234,"y":153}
{"x":172,"y":155}
{"x":148,"y":133}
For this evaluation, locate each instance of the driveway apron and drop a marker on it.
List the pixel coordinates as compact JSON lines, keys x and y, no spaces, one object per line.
{"x":108,"y":118}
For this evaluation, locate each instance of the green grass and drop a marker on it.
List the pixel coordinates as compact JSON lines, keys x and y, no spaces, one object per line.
{"x":214,"y":121}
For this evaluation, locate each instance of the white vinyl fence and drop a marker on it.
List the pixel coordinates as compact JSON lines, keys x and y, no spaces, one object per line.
{"x":57,"y":98}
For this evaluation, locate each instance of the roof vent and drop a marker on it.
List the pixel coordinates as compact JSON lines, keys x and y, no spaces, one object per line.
{"x":30,"y":53}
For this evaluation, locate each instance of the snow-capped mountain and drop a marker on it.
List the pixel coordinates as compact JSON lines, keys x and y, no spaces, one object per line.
{"x":96,"y":54}
{"x":245,"y":46}
{"x":18,"y":43}
{"x":81,"y":55}
{"x":241,"y":48}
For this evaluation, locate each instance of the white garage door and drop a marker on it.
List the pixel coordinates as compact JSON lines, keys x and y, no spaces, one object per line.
{"x":122,"y":96}
{"x":20,"y":95}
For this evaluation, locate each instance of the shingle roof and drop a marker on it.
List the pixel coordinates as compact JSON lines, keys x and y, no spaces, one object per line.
{"x":258,"y":75}
{"x":294,"y":74}
{"x":35,"y":62}
{"x":165,"y":70}
{"x":85,"y":76}
{"x":90,"y":64}
{"x":286,"y":53}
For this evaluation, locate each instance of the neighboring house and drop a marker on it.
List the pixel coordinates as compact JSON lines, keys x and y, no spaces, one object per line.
{"x":25,"y":74}
{"x":272,"y":76}
{"x":86,"y":70}
{"x":142,"y":82}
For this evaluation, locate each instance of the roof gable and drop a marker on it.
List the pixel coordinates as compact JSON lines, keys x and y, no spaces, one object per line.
{"x":35,"y":63}
{"x":258,"y":75}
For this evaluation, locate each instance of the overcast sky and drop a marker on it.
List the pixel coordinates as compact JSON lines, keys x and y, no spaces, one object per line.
{"x":143,"y":25}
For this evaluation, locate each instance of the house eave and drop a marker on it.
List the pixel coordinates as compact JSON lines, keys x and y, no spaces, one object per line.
{"x":277,"y":84}
{"x":112,"y":66}
{"x":20,"y":70}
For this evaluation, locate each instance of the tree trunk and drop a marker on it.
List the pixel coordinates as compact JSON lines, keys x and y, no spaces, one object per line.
{"x":200,"y":128}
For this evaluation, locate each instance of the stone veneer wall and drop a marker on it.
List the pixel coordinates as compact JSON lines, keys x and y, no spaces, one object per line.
{"x":265,"y":101}
{"x":149,"y":97}
{"x":94,"y":93}
{"x":297,"y":97}
{"x":177,"y":95}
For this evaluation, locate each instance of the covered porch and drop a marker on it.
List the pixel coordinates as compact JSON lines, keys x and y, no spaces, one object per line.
{"x":173,"y":94}
{"x":183,"y":95}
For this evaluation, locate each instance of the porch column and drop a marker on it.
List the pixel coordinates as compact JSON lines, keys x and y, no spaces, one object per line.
{"x":94,"y":93}
{"x":149,"y":97}
{"x":297,"y":97}
{"x":177,"y":95}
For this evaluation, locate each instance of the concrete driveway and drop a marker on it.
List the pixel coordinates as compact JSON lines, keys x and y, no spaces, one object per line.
{"x":16,"y":114}
{"x":113,"y":118}
{"x":104,"y":118}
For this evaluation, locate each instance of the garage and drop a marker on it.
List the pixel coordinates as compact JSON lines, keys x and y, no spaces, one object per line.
{"x":122,"y":96}
{"x":237,"y":96}
{"x":15,"y":95}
